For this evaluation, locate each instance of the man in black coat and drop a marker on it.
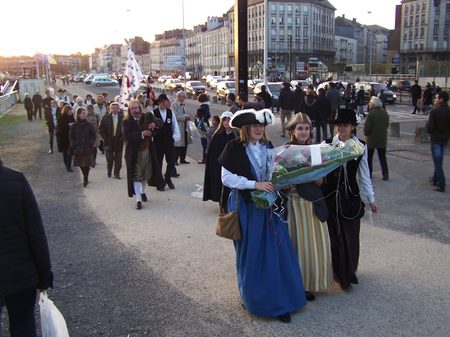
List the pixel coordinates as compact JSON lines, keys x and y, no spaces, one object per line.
{"x":24,"y":256}
{"x":37,"y":102}
{"x":286,"y":104}
{"x":416,"y":92}
{"x":111,"y":131}
{"x":299,"y":97}
{"x":266,"y":97}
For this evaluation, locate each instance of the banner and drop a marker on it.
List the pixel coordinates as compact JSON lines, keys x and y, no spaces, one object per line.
{"x":131,"y":79}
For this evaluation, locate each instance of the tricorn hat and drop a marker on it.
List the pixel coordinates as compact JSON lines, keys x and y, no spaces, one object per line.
{"x":297,"y":118}
{"x":345,"y":116}
{"x":251,"y":116}
{"x":61,"y":90}
{"x":162,"y":97}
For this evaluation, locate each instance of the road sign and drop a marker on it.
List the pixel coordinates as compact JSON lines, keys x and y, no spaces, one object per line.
{"x":172,"y":57}
{"x":173,"y":64}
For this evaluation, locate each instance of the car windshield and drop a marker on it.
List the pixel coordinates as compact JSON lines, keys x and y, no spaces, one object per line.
{"x":275,"y":88}
{"x":231,"y":85}
{"x":176,"y":81}
{"x":378,"y":87}
{"x":405,"y":82}
{"x":196,"y":84}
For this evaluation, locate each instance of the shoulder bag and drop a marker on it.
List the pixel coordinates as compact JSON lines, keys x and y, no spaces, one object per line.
{"x":228,"y":225}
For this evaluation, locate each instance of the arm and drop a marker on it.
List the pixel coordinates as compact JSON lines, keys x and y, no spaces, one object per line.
{"x":429,"y":126}
{"x":365,"y":182}
{"x":232,"y":180}
{"x":175,"y":132}
{"x":129,"y":135}
{"x":368,"y":124}
{"x":178,"y":111}
{"x":102,"y":129}
{"x":92,"y":135}
{"x":72,"y":135}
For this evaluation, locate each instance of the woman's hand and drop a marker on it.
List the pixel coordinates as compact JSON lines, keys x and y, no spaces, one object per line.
{"x":151,"y":126}
{"x":374,"y":207}
{"x":265,"y":186}
{"x":319,"y":182}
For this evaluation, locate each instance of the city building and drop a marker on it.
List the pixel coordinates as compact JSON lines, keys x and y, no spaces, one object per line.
{"x":15,"y":65}
{"x":345,"y":48}
{"x":393,"y":52}
{"x":169,"y":43}
{"x":381,"y":36}
{"x":216,"y":45}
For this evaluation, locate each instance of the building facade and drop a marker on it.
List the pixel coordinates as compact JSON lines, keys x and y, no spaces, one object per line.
{"x":346,"y":49}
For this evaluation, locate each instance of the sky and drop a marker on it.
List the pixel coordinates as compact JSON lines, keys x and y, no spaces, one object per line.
{"x":61,"y":27}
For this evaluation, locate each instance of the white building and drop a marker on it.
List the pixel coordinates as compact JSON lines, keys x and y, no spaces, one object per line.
{"x":346,"y":49}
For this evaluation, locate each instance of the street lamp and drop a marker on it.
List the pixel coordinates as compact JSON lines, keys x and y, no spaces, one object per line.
{"x":370,"y":41}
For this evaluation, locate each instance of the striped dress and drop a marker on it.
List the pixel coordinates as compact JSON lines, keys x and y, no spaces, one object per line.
{"x":311,"y":243}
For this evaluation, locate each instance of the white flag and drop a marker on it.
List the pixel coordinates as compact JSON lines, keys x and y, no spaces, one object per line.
{"x":131,"y":79}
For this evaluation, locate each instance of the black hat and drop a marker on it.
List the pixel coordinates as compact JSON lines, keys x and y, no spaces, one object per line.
{"x":245,"y":117}
{"x":162,"y":97}
{"x":62,"y":90}
{"x":104,"y":93}
{"x":345,"y":116}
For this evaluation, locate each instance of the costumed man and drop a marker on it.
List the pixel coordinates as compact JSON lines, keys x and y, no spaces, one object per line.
{"x":179,"y":109}
{"x":140,"y":155}
{"x":62,"y":97}
{"x":101,"y":109}
{"x":111,"y":131}
{"x":166,"y":137}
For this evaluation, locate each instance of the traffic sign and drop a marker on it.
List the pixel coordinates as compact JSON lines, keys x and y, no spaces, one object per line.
{"x":173,"y":64}
{"x":172,"y":57}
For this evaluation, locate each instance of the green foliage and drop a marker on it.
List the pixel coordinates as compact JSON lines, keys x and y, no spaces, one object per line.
{"x":337,"y":67}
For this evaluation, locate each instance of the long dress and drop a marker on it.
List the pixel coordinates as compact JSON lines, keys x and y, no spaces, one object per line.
{"x":268,"y":272}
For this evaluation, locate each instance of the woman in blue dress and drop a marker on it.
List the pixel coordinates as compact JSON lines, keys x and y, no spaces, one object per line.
{"x":268,"y":272}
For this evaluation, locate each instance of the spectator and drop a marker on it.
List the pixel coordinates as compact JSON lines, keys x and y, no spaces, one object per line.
{"x":179,"y":109}
{"x":51,"y":116}
{"x":299,"y":96}
{"x":266,"y":97}
{"x":202,"y":121}
{"x":382,"y":98}
{"x":335,"y":99}
{"x":427,"y":99}
{"x":245,"y":104}
{"x":286,"y":105}
{"x":79,"y":104}
{"x":28,"y":104}
{"x":231,"y":102}
{"x":323,"y":114}
{"x":74,"y":100}
{"x":89,"y":100}
{"x":101,"y":109}
{"x":64,"y":122}
{"x":416,"y":92}
{"x":63,"y":97}
{"x":37,"y":102}
{"x":93,"y":118}
{"x":361,"y":101}
{"x":348,"y":95}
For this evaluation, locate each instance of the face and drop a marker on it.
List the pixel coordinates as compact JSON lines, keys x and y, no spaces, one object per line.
{"x":61,"y":104}
{"x":82,"y":114}
{"x":70,"y":112}
{"x":134,"y":109}
{"x":254,"y":100}
{"x":89,"y":97}
{"x":90,"y":111}
{"x":141,"y":99}
{"x":100,"y":99}
{"x":256,"y":132}
{"x":344,"y":131}
{"x":181,"y":98}
{"x":163,"y":104}
{"x":61,"y":94}
{"x":302,"y":132}
{"x":75,"y":98}
{"x":53,"y":104}
{"x":115,"y":109}
{"x":226,"y":122}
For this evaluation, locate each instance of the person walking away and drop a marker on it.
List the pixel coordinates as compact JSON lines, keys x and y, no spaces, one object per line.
{"x":361,"y":101}
{"x":101,"y":109}
{"x":322,"y":115}
{"x":24,"y":255}
{"x":427,"y":99}
{"x":335,"y":99}
{"x":375,"y":130}
{"x":285,"y":104}
{"x":340,"y":189}
{"x":110,"y":130}
{"x":179,"y":109}
{"x":51,"y":117}
{"x":82,"y":137}
{"x":299,"y":96}
{"x":202,"y":118}
{"x":215,"y":121}
{"x":348,"y":95}
{"x":28,"y":104}
{"x":265,"y":246}
{"x":306,"y":218}
{"x":372,"y":93}
{"x":94,"y":118}
{"x":37,"y":102}
{"x":266,"y":97}
{"x":64,"y":122}
{"x":310,"y":107}
{"x":382,"y":98}
{"x":438,"y":127}
{"x":416,"y":92}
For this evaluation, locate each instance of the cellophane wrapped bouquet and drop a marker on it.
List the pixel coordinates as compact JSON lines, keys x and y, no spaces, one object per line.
{"x":299,"y":164}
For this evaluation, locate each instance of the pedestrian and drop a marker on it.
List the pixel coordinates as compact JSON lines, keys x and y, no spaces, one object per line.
{"x":150,"y":105}
{"x":64,"y":122}
{"x":335,"y":99}
{"x":416,"y":92}
{"x":299,"y":96}
{"x":89,"y":100}
{"x":375,"y":130}
{"x":94,"y":118}
{"x":231,"y":102}
{"x":51,"y":117}
{"x":348,"y":95}
{"x":285,"y":105}
{"x":361,"y":101}
{"x":28,"y":104}
{"x":202,"y":120}
{"x":105,"y":98}
{"x":215,"y":121}
{"x":74,"y":100}
{"x":82,"y":137}
{"x":266,"y":97}
{"x":212,"y":186}
{"x":37,"y":102}
{"x":372,"y":93}
{"x":101,"y":109}
{"x":427,"y":99}
{"x":149,"y":91}
{"x":245,"y":104}
{"x":79,"y":103}
{"x":62,"y":96}
{"x":310,"y":107}
{"x":179,"y":109}
{"x":140,"y":99}
{"x":268,"y":272}
{"x":140,"y":154}
{"x":110,"y":130}
{"x":438,"y":127}
{"x":306,"y":218}
{"x":345,"y":207}
{"x":382,"y":98}
{"x":24,"y":254}
{"x":322,"y":115}
{"x":166,"y":137}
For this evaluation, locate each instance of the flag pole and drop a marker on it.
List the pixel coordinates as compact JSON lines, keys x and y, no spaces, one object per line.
{"x":184,"y":48}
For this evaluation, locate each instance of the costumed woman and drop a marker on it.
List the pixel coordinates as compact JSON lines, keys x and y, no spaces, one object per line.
{"x":342,"y":192}
{"x":307,"y":213}
{"x":268,"y":272}
{"x":213,"y":183}
{"x":64,"y":122}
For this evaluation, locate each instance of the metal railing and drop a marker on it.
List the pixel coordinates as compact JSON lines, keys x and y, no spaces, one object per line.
{"x":8,"y":100}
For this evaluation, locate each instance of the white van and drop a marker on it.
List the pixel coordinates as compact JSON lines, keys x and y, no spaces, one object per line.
{"x":91,"y":77}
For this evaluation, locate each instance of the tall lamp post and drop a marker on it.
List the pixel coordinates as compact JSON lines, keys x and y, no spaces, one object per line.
{"x":370,"y":41}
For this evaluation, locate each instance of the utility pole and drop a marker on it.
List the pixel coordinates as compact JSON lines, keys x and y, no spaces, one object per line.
{"x":241,"y":46}
{"x":266,"y":41}
{"x":290,"y":56}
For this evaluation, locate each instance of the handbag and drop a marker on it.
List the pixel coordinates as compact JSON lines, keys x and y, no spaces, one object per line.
{"x":228,"y":225}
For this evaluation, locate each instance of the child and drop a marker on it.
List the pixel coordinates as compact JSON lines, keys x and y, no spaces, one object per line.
{"x":215,"y":121}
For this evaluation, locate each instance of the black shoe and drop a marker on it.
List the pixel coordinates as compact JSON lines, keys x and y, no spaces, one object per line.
{"x":176,"y":163}
{"x":162,"y":189}
{"x":184,"y":162}
{"x":175,"y":175}
{"x":385,"y":176}
{"x":93,"y":166}
{"x":431,"y":181}
{"x":285,"y":318}
{"x":171,"y":185}
{"x":309,"y":296}
{"x":138,"y":205}
{"x":347,"y":287}
{"x":413,"y":113}
{"x":439,"y":189}
{"x":117,"y":177}
{"x":69,"y":170}
{"x":144,"y":197}
{"x":109,"y":175}
{"x":85,"y":183}
{"x":203,"y":161}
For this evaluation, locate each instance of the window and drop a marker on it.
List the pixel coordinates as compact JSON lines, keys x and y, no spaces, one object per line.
{"x":297,"y":33}
{"x":422,"y":31}
{"x":424,"y":6}
{"x":410,"y":45}
{"x":421,"y":45}
{"x":281,"y":9}
{"x":410,"y":34}
{"x":281,"y":47}
{"x":411,"y":21}
{"x":289,"y":21}
{"x":436,"y":30}
{"x":305,"y":9}
{"x":297,"y":9}
{"x":406,"y":10}
{"x":416,"y":45}
{"x":297,"y":21}
{"x":281,"y":21}
{"x":305,"y":22}
{"x":274,"y":46}
{"x":416,"y":32}
{"x":435,"y":45}
{"x":411,"y":9}
{"x":446,"y":31}
{"x":273,"y":9}
{"x":281,"y":34}
{"x":289,"y":9}
{"x":405,"y":36}
{"x":273,"y":20}
{"x":305,"y":33}
{"x":417,"y":20}
{"x":422,"y":21}
{"x":273,"y":34}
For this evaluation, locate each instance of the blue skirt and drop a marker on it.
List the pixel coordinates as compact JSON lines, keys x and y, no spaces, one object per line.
{"x":268,"y":272}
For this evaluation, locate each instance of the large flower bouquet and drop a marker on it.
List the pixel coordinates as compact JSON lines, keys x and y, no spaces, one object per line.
{"x":299,"y":164}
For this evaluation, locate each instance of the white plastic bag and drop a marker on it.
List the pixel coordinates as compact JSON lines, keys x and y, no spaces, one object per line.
{"x":52,"y":321}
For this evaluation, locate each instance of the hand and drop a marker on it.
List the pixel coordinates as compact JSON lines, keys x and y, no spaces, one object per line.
{"x":265,"y":186}
{"x":195,"y":117}
{"x":374,"y":207}
{"x":188,"y":118}
{"x":70,"y":124}
{"x":151,"y":126}
{"x":288,"y":187}
{"x":41,"y":290}
{"x":147,"y":133}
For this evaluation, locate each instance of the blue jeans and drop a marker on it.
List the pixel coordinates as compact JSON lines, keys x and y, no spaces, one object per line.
{"x":438,"y":151}
{"x":321,"y":125}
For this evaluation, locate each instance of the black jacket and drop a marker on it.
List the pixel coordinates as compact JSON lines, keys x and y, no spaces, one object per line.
{"x":299,"y":95}
{"x":37,"y":100}
{"x":438,"y":125}
{"x":82,"y":137}
{"x":310,"y":107}
{"x":286,"y":99}
{"x":63,"y":126}
{"x":266,"y":98}
{"x":28,"y":104}
{"x":106,"y":129}
{"x":24,"y":255}
{"x":323,"y":108}
{"x":416,"y":91}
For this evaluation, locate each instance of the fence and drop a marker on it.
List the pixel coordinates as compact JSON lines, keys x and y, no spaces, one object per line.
{"x":8,"y":100}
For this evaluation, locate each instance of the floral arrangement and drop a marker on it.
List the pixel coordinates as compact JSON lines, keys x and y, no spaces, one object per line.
{"x":299,"y":164}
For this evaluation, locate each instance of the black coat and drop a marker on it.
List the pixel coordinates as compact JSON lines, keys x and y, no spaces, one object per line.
{"x":24,"y":255}
{"x":299,"y":95}
{"x":310,"y":106}
{"x":416,"y":91}
{"x":266,"y":98}
{"x":37,"y":100}
{"x":106,"y":129}
{"x":28,"y":104}
{"x":286,"y":99}
{"x":63,"y":126}
{"x":427,"y":96}
{"x":82,"y":137}
{"x":49,"y":117}
{"x":323,"y":108}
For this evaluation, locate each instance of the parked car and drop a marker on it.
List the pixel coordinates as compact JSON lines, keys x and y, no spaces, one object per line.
{"x":273,"y":88}
{"x":252,"y":84}
{"x":302,"y":82}
{"x":195,"y":87}
{"x":174,"y":84}
{"x":398,"y":85}
{"x":224,"y":88}
{"x":163,"y":79}
{"x":103,"y":80}
{"x":390,"y":96}
{"x":214,"y":82}
{"x":213,"y":79}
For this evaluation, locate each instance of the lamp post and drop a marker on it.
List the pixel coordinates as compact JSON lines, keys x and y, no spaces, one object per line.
{"x":370,"y":41}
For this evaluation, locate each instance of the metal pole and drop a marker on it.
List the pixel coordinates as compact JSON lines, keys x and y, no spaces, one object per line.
{"x":184,"y":48}
{"x":290,"y":57}
{"x":370,"y":39}
{"x":266,"y":41}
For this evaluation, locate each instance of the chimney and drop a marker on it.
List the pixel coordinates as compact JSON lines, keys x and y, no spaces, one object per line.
{"x":354,"y":19}
{"x":343,"y":16}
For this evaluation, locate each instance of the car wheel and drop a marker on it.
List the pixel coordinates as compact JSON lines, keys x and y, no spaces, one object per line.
{"x":113,"y":84}
{"x":98,"y":84}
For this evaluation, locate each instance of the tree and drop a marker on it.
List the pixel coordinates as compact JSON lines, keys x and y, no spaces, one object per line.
{"x":337,"y":67}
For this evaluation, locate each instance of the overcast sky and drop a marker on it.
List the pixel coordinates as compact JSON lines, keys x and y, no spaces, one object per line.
{"x":61,"y":27}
